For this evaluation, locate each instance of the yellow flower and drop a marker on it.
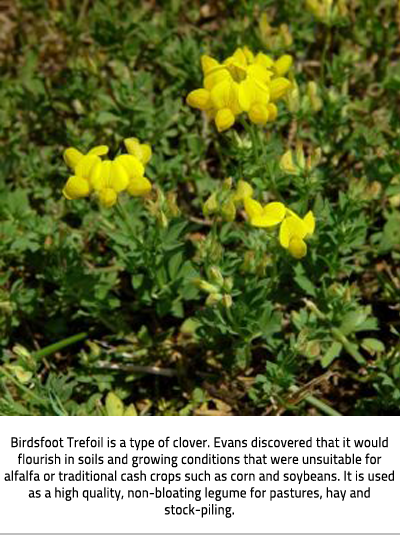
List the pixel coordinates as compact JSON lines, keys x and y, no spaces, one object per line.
{"x":243,"y":83}
{"x":141,"y":151}
{"x":264,"y":216}
{"x":79,"y":185}
{"x":108,"y":178}
{"x":294,"y":230}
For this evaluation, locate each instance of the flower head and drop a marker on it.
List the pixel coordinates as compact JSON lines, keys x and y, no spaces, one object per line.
{"x":242,"y":83}
{"x":293,"y":230}
{"x":107,"y":178}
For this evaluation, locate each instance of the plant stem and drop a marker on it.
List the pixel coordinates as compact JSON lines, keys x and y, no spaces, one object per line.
{"x":251,"y":131}
{"x":315,"y":402}
{"x":327,"y":45}
{"x":126,"y":219}
{"x":50,"y":349}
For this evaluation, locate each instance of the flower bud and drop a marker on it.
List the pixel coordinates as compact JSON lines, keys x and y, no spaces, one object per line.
{"x":21,"y":352}
{"x":211,"y":205}
{"x":216,"y":276}
{"x":228,"y":284}
{"x":213,"y":298}
{"x":227,"y":301}
{"x":287,"y":165}
{"x":23,"y":375}
{"x":228,"y":210}
{"x":172,"y":206}
{"x":300,"y":157}
{"x":227,"y":184}
{"x":205,"y":286}
{"x":312,"y":93}
{"x":293,"y":98}
{"x":162,"y":219}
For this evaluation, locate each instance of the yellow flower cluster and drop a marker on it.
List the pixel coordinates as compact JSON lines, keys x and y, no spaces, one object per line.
{"x":243,"y":83}
{"x":107,"y":178}
{"x":293,"y":229}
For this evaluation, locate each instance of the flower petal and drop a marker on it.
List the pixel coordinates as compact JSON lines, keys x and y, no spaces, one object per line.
{"x":253,"y":208}
{"x":100,"y":175}
{"x":283,"y":64}
{"x":258,"y":114}
{"x":264,"y":60}
{"x":208,"y":63}
{"x":72,"y":156}
{"x":131,"y":164}
{"x":146,"y":153}
{"x":119,"y":178}
{"x":309,"y":222}
{"x":291,"y":227}
{"x":107,"y":197}
{"x":101,"y":150}
{"x":216,"y":76}
{"x":272,"y":112}
{"x":278,"y":88}
{"x":224,"y":119}
{"x":259,"y":73}
{"x":76,"y":188}
{"x":141,"y":151}
{"x":86,"y":165}
{"x":272,"y":214}
{"x":199,"y":99}
{"x":139,"y":186}
{"x":297,"y":247}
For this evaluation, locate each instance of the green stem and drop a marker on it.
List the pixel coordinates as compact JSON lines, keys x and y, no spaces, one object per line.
{"x":251,"y":131}
{"x":50,"y":349}
{"x":327,"y":45}
{"x":126,"y":219}
{"x":315,"y":402}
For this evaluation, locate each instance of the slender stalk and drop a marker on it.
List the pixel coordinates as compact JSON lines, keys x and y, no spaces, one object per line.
{"x":50,"y":349}
{"x":327,"y":46}
{"x":315,"y":402}
{"x":126,"y":219}
{"x":251,"y":131}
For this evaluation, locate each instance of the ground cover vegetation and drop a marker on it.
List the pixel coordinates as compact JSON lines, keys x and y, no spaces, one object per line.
{"x":200,"y":207}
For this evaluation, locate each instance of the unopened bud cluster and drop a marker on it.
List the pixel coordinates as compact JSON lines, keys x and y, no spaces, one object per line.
{"x":217,"y":287}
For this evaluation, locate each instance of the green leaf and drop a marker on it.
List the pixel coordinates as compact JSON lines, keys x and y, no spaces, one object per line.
{"x":114,"y":405}
{"x":333,"y":352}
{"x":373,"y":345}
{"x":304,"y":283}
